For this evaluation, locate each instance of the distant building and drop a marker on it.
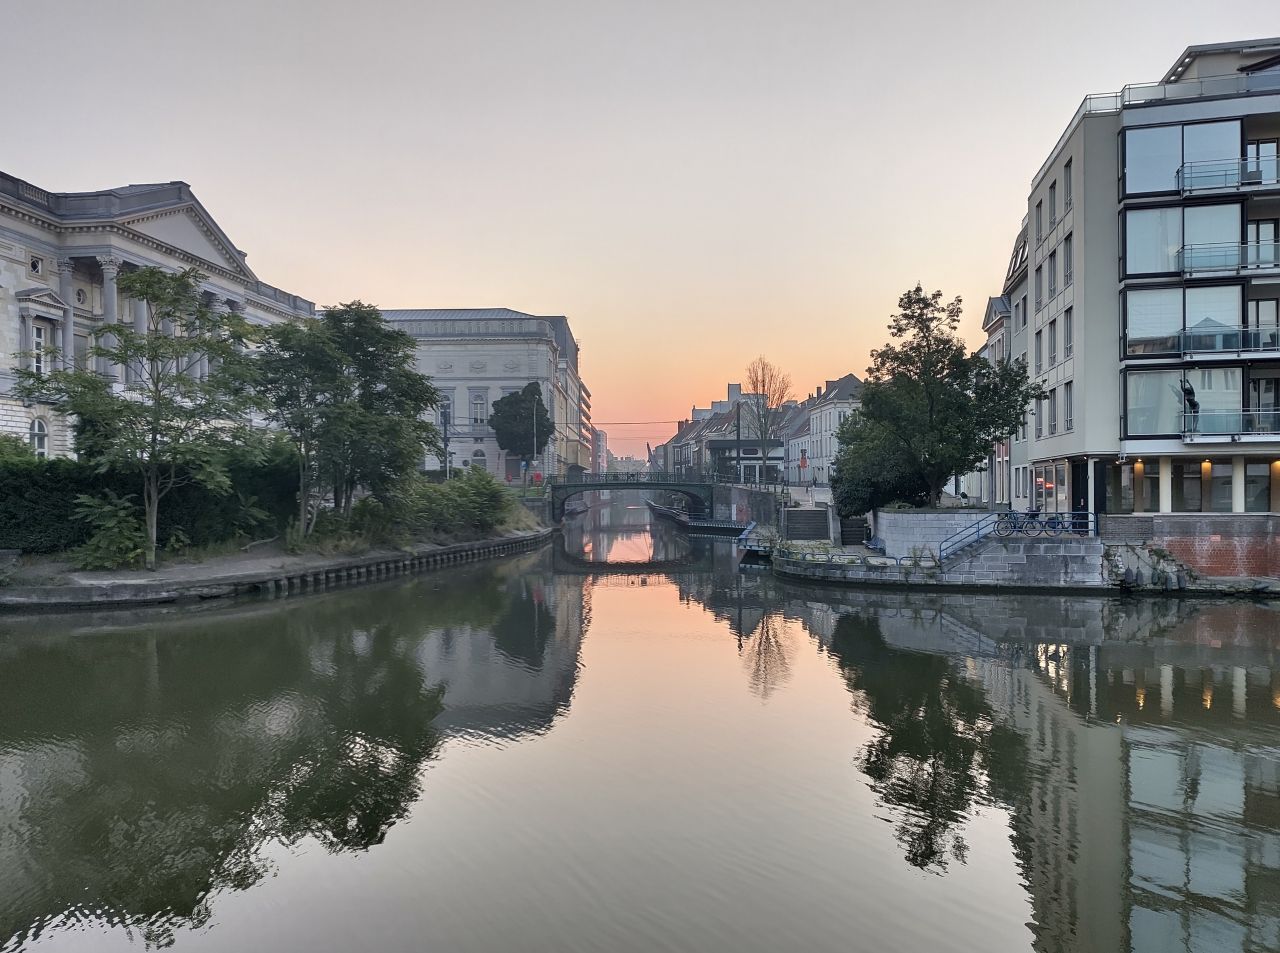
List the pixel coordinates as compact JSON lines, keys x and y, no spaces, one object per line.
{"x":478,"y":355}
{"x":61,"y":255}
{"x":829,"y":408}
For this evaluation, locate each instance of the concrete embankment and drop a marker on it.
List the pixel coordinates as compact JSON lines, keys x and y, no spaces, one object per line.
{"x":284,"y":576}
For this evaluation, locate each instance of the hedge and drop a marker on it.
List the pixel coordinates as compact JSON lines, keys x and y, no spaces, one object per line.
{"x":37,"y":502}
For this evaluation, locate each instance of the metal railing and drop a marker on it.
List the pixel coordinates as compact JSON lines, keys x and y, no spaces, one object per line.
{"x":1217,"y":257}
{"x":1230,"y":339}
{"x":1230,"y":422}
{"x":973,"y":533}
{"x":1220,"y":174}
{"x":640,"y":477}
{"x":1030,"y":524}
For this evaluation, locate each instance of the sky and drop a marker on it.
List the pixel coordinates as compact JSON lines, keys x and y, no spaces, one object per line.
{"x":692,"y":183}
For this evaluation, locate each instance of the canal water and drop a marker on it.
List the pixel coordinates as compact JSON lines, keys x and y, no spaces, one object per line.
{"x":623,"y":743}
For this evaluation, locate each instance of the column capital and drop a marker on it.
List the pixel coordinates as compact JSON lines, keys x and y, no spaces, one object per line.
{"x":110,"y":266}
{"x":66,"y":266}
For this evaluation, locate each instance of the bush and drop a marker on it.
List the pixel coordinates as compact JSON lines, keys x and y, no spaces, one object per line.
{"x":117,"y":536}
{"x":38,"y":500}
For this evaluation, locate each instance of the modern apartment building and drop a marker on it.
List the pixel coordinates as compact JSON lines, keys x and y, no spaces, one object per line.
{"x":1143,"y":292}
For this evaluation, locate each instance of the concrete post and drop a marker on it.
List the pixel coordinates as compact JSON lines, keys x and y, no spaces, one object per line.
{"x":67,"y":292}
{"x":1166,"y":484}
{"x":1237,"y":484}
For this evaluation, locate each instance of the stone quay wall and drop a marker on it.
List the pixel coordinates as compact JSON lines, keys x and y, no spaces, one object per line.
{"x":275,"y":583}
{"x":1213,"y":544}
{"x":919,"y":532}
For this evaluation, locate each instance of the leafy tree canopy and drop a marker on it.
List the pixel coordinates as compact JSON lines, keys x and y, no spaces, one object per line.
{"x":520,"y":422}
{"x":932,"y":407}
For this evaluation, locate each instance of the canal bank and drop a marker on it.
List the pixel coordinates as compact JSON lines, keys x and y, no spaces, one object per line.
{"x":274,"y":576}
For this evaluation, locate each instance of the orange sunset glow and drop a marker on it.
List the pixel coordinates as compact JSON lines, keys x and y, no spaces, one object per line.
{"x":691,"y":184}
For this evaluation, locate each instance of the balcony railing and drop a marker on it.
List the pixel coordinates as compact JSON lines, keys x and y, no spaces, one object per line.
{"x":1230,"y":423}
{"x":1230,"y":340}
{"x":1229,"y":257}
{"x":1229,"y":174}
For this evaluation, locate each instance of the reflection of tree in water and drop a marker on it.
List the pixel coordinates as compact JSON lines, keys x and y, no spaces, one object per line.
{"x":156,"y":768}
{"x":522,"y":631}
{"x":766,"y":654}
{"x":937,"y":739}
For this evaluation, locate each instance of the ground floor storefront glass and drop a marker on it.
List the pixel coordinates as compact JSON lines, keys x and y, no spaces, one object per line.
{"x":1207,"y":485}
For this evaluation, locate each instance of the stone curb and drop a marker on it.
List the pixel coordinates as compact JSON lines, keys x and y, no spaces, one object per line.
{"x":274,"y":583}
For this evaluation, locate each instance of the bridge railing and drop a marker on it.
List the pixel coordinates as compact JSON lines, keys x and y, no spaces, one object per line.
{"x":647,"y":476}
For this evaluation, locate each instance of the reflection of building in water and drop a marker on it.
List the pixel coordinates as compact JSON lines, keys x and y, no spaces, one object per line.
{"x":1178,"y":766}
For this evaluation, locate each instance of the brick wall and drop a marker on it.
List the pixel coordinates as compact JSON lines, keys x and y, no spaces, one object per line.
{"x":1221,"y":544}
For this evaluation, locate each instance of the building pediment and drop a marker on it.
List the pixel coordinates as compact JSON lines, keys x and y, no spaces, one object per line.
{"x":190,"y":229}
{"x":40,"y":302}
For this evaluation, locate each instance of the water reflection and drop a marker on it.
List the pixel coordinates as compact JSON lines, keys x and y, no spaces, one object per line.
{"x":144,"y":770}
{"x":748,"y":765}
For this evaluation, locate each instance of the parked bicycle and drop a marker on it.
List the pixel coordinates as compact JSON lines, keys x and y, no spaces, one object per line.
{"x":1031,"y":523}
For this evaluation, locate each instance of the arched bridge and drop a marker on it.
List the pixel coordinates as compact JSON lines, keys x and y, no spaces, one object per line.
{"x":565,"y":488}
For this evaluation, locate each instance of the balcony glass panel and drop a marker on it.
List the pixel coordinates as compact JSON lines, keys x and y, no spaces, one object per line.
{"x":1205,"y":141}
{"x":1213,"y":319}
{"x":1153,"y":402}
{"x":1212,"y":225}
{"x":1154,"y":319}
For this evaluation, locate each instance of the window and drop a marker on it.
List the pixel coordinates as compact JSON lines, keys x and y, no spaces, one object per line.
{"x":1017,"y":313}
{"x":1024,"y":311}
{"x":1039,"y":352}
{"x":479,"y":409}
{"x":1053,"y":204}
{"x":1068,"y":261}
{"x":478,"y":460}
{"x":1039,"y":419}
{"x":1262,"y":321}
{"x":37,"y":349}
{"x":1068,"y":319}
{"x":1039,"y":222}
{"x":1212,"y":318}
{"x":1066,"y":187}
{"x":38,"y":438}
{"x":1153,"y":402}
{"x":1053,"y":273}
{"x":81,"y":297}
{"x":1039,"y":287}
{"x":1152,"y":238}
{"x":1152,"y":156}
{"x":1153,"y":320}
{"x":36,"y":265}
{"x":1053,"y":343}
{"x":1212,"y":236}
{"x":1257,"y":487}
{"x":1053,"y":411}
{"x":1067,"y":415}
{"x":1210,"y":152}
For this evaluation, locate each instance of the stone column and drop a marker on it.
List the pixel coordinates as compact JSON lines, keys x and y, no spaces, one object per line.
{"x":110,"y":311}
{"x":1166,"y":484}
{"x":68,"y":295}
{"x":141,"y":321}
{"x":1237,"y":484}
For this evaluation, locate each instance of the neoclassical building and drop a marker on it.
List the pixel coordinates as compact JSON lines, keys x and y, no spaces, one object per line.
{"x":476,"y":356}
{"x":61,"y":254}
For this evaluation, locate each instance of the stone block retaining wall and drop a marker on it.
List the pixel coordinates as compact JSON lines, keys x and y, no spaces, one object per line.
{"x":912,"y":532}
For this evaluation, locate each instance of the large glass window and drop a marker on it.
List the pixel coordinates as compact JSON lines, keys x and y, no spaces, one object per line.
{"x":1187,"y":488}
{"x":1068,"y":332}
{"x":1257,"y":487}
{"x":1212,"y":233}
{"x":1039,"y":287}
{"x":1039,"y":352}
{"x":1120,"y":488}
{"x":1213,"y":318}
{"x":1053,"y":273}
{"x":1153,"y":237}
{"x":1053,"y":410}
{"x":1066,"y":187}
{"x":1219,"y":486}
{"x":1067,"y":410}
{"x":1215,"y":142}
{"x":1154,"y":320}
{"x":1218,"y":392}
{"x":1152,"y":156}
{"x":38,"y":438}
{"x":1068,"y":261}
{"x":1153,"y":402}
{"x":1053,"y":342}
{"x":1263,"y":322}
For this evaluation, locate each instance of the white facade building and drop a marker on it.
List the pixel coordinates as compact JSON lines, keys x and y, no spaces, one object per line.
{"x":476,"y":356}
{"x":61,"y":254}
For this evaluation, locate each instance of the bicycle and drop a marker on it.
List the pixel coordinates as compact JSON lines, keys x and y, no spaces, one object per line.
{"x":1028,"y":524}
{"x":1054,"y":525}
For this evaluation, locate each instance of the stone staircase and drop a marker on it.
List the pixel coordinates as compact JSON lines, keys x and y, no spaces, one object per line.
{"x":805,"y":523}
{"x":853,"y":530}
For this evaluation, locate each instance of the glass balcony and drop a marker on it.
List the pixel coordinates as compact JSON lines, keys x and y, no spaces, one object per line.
{"x":1223,"y":339}
{"x":1229,"y":175}
{"x":1230,"y":423}
{"x":1229,"y":258}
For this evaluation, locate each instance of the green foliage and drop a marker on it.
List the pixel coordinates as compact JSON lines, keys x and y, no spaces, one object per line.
{"x":116,"y":538}
{"x":13,"y":447}
{"x":470,"y":506}
{"x":172,"y":426}
{"x":37,"y":499}
{"x":932,"y":406}
{"x":872,"y":471}
{"x":520,"y":422}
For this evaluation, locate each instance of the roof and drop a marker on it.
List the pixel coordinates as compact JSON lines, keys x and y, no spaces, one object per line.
{"x":848,"y":387}
{"x":1262,"y":47}
{"x":997,"y":308}
{"x":559,"y":323}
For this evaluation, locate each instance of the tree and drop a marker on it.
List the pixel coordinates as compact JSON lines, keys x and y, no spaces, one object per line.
{"x":14,"y":449}
{"x":939,"y":408}
{"x":295,"y":374}
{"x":520,"y":422}
{"x":872,"y":470}
{"x":183,"y":401}
{"x":772,"y":388}
{"x":373,"y":430}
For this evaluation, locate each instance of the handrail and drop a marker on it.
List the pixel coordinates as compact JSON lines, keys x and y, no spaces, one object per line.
{"x":968,"y":535}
